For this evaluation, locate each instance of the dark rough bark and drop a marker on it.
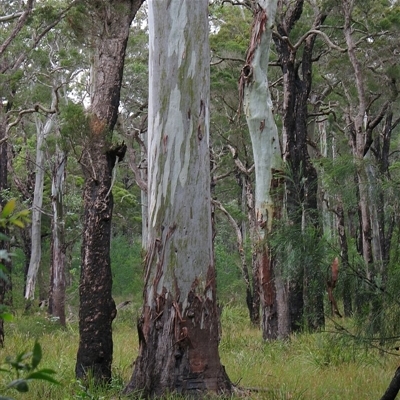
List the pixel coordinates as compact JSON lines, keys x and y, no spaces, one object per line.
{"x":187,"y":360}
{"x":97,"y":307}
{"x":394,"y":387}
{"x":268,"y":299}
{"x":110,"y":24}
{"x":305,"y":303}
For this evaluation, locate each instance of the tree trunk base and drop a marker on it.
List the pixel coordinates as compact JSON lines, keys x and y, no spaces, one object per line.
{"x":394,"y":387}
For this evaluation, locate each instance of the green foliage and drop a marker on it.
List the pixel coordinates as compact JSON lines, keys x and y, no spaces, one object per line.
{"x":24,"y":367}
{"x":74,"y":122}
{"x":126,"y":267}
{"x":347,"y":368}
{"x":9,"y":215}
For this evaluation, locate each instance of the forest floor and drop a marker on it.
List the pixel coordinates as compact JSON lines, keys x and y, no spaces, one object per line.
{"x":325,"y":365}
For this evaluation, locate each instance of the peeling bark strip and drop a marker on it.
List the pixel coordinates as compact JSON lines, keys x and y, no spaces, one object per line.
{"x":179,"y":326}
{"x":110,"y":26}
{"x":257,"y":30}
{"x":331,"y":284}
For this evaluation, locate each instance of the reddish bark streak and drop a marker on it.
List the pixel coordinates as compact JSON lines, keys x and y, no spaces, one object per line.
{"x":267,"y":279}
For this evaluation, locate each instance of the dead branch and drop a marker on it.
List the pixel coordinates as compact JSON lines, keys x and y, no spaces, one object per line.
{"x":245,"y":3}
{"x":372,"y":124}
{"x":318,"y":32}
{"x":36,"y":108}
{"x":222,"y":59}
{"x":10,"y":17}
{"x":136,"y":170}
{"x":238,"y":163}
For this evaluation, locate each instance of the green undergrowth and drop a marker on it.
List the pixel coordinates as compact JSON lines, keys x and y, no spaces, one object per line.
{"x":325,"y":365}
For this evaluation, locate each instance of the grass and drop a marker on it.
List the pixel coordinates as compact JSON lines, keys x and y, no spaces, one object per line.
{"x":308,"y":366}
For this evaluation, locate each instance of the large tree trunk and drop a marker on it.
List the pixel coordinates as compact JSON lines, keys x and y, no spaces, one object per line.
{"x":111,"y":21}
{"x":57,"y":280}
{"x":305,"y":304}
{"x":43,"y":130}
{"x":257,"y":106}
{"x":179,"y":326}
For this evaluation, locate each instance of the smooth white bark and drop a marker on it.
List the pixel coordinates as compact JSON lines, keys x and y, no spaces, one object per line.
{"x":178,"y":149}
{"x":43,"y":131}
{"x":258,"y":109}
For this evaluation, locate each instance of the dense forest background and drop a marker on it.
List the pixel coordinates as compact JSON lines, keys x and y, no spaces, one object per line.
{"x":51,"y":84}
{"x":333,"y":79}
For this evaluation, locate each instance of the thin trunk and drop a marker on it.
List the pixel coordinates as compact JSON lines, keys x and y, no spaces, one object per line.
{"x":179,"y":326}
{"x":3,"y":186}
{"x":255,"y":276}
{"x":43,"y":130}
{"x":143,"y":194}
{"x":242,"y":254}
{"x":344,"y":257}
{"x":58,"y":259}
{"x":111,"y":22}
{"x":247,"y":202}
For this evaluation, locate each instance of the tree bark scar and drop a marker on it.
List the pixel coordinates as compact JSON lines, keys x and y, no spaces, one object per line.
{"x":97,"y":125}
{"x":267,"y":279}
{"x":200,"y":124}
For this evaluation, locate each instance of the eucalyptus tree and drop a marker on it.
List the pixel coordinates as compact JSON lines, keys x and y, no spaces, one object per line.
{"x":179,"y":325}
{"x":371,"y":101}
{"x":106,"y":25}
{"x":44,"y":129}
{"x":13,"y":20}
{"x":257,"y":105}
{"x":306,"y":286}
{"x":25,"y":25}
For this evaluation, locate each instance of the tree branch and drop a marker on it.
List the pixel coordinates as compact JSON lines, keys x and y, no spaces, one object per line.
{"x":325,"y":37}
{"x":19,"y":25}
{"x":39,"y":37}
{"x":10,"y":17}
{"x":238,"y":163}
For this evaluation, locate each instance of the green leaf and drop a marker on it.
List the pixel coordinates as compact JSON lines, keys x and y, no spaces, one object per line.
{"x":4,"y":237}
{"x":6,"y":317}
{"x":20,"y":384}
{"x":36,"y":355}
{"x":43,"y":376}
{"x":8,"y":208}
{"x":23,"y":214}
{"x":18,"y":223}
